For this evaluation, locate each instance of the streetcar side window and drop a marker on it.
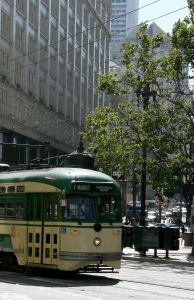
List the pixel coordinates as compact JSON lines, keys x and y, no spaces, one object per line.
{"x":2,"y":189}
{"x":43,"y":205}
{"x":35,"y":206}
{"x":48,"y":210}
{"x":51,"y":208}
{"x":19,"y":210}
{"x":11,"y":189}
{"x":20,"y":189}
{"x":11,"y":210}
{"x":2,"y":210}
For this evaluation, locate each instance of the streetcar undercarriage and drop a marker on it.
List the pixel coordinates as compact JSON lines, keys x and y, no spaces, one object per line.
{"x":8,"y":262}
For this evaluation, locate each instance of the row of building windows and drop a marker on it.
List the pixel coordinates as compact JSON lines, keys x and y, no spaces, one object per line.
{"x":55,"y":43}
{"x":6,"y":27}
{"x":117,"y":12}
{"x":21,"y":8}
{"x":65,"y":50}
{"x":119,"y":1}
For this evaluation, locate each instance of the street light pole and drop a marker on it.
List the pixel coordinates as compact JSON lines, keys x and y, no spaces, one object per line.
{"x":149,"y":90}
{"x":134,"y":194}
{"x":143,"y":187}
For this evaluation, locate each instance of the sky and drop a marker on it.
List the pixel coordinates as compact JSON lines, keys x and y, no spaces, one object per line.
{"x":160,"y":8}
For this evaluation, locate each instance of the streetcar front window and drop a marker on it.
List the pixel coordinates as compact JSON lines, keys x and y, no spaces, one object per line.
{"x":77,"y":207}
{"x":107,"y":208}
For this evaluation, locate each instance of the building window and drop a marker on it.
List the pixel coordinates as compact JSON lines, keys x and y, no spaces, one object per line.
{"x":63,"y":16}
{"x":32,"y":48}
{"x":5,"y":25}
{"x":18,"y":73}
{"x":54,"y":7}
{"x":21,"y":6}
{"x":44,"y":58}
{"x":20,"y":38}
{"x":33,"y":14}
{"x":45,"y":2}
{"x":4,"y":62}
{"x":42,"y":90}
{"x":53,"y":66}
{"x":44,"y":25}
{"x":31,"y":81}
{"x":54,"y":41}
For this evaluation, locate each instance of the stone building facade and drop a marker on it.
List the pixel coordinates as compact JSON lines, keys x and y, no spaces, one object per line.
{"x":50,"y":54}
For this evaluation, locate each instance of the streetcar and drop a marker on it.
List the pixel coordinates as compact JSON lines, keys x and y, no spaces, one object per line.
{"x":60,"y":218}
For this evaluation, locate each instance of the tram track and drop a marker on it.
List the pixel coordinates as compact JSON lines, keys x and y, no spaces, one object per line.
{"x":134,"y":281}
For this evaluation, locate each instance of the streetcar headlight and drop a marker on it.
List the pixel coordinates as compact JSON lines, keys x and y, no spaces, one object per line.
{"x":97,"y":242}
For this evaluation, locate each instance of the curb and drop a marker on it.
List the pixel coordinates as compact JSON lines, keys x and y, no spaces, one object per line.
{"x":162,"y":260}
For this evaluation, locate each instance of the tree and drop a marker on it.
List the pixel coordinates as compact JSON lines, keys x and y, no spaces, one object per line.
{"x":163,"y":127}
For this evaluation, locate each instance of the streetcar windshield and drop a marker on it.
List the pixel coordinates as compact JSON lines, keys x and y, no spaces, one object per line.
{"x":78,"y":207}
{"x":107,"y":208}
{"x":83,"y":207}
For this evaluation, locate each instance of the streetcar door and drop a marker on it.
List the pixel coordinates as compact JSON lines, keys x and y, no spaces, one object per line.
{"x":34,"y":229}
{"x":50,"y":230}
{"x":42,"y":232}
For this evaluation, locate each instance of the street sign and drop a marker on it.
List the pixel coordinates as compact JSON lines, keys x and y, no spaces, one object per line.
{"x":160,"y":200}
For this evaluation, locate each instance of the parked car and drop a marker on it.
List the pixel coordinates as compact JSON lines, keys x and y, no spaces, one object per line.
{"x":152,"y":215}
{"x":161,"y":225}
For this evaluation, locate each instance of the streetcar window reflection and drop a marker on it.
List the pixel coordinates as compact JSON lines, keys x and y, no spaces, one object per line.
{"x":107,"y":207}
{"x":78,"y":207}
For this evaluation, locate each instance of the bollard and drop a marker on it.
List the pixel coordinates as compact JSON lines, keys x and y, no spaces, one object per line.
{"x":155,"y":253}
{"x":167,"y":252}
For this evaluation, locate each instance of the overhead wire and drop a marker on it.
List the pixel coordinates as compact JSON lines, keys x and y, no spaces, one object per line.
{"x":81,"y":46}
{"x":75,"y":48}
{"x":79,"y":33}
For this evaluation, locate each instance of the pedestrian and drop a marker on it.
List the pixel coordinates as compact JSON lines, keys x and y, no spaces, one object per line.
{"x":183,"y":230}
{"x":127,"y":221}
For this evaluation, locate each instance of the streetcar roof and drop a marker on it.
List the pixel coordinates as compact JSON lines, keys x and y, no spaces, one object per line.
{"x":56,"y":176}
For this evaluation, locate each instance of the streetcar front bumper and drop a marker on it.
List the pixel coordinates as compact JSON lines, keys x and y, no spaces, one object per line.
{"x":64,"y":255}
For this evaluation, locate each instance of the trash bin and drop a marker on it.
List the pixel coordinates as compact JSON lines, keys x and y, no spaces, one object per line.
{"x":127,"y":236}
{"x":169,"y":238}
{"x":145,"y":238}
{"x":137,"y":237}
{"x":188,"y":239}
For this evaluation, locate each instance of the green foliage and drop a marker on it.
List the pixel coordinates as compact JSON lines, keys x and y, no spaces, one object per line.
{"x":120,"y":132}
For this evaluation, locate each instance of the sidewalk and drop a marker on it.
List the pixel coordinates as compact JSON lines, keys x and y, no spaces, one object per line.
{"x":182,"y":256}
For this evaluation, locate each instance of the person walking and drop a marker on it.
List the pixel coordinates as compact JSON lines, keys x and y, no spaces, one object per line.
{"x":183,"y":230}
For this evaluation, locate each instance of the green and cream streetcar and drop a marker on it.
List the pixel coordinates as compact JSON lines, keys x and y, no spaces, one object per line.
{"x":63,"y":218}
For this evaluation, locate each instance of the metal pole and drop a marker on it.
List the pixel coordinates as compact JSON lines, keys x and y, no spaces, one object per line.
{"x":143,"y":187}
{"x":160,"y":213}
{"x":146,"y":93}
{"x":181,"y":192}
{"x":134,"y":195}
